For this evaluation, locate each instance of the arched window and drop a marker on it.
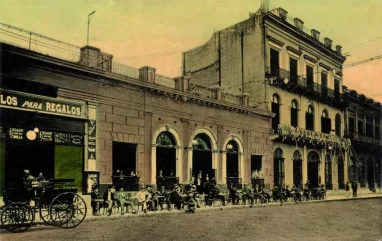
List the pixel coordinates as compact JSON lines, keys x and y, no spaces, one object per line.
{"x":309,"y":116}
{"x":276,"y":110}
{"x":294,"y":114}
{"x":326,"y":122}
{"x":325,"y":114}
{"x":338,"y":124}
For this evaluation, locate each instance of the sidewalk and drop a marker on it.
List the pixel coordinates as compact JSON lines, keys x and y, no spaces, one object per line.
{"x":90,"y":217}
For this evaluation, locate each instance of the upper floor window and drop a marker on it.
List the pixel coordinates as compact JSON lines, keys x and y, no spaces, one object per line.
{"x":324,"y":84}
{"x":275,"y":62}
{"x":337,"y":84}
{"x":360,"y":126}
{"x":338,"y":125}
{"x":294,"y":114}
{"x":293,"y":69}
{"x":276,"y":111}
{"x":309,"y":77}
{"x":326,"y":122}
{"x":309,"y":116}
{"x":351,"y":125}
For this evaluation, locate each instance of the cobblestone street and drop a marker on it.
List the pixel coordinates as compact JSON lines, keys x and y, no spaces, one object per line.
{"x":343,"y":220}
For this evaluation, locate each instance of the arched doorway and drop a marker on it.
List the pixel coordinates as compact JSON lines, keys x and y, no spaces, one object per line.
{"x":166,"y":154}
{"x":278,"y":156}
{"x":313,"y":163}
{"x":202,"y":155}
{"x":297,"y":169}
{"x":370,"y":173}
{"x":328,"y":172}
{"x":341,"y":172}
{"x":232,"y":158}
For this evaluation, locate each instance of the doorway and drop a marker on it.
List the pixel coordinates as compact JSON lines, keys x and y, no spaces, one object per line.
{"x":370,"y":173}
{"x":33,"y":156}
{"x":313,"y":168}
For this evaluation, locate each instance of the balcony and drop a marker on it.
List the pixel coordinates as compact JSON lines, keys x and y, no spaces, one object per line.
{"x":362,"y":138}
{"x":300,"y":85}
{"x":296,"y":134}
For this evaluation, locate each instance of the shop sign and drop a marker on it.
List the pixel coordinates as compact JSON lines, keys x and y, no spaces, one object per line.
{"x":11,"y":99}
{"x":61,"y":138}
{"x":76,"y":139}
{"x":46,"y":136}
{"x":16,"y":133}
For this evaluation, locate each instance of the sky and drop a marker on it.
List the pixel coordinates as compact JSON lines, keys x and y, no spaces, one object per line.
{"x":155,"y":32}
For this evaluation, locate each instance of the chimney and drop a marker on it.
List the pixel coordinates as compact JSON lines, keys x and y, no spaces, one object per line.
{"x":328,"y":42}
{"x":298,"y":23}
{"x":93,"y":57}
{"x":316,"y":34}
{"x":339,"y":49}
{"x":264,"y":5}
{"x":147,"y":74}
{"x":283,"y":14}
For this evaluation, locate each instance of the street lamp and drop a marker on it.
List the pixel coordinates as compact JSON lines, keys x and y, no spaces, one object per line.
{"x":89,"y":18}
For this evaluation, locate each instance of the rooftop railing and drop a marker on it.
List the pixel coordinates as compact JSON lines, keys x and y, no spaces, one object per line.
{"x":69,"y":52}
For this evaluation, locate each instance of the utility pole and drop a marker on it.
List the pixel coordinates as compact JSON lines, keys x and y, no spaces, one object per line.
{"x":89,"y":18}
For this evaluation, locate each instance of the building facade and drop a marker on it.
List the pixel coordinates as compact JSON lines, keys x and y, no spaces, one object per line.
{"x":86,"y":117}
{"x":362,"y":126}
{"x":292,"y":73}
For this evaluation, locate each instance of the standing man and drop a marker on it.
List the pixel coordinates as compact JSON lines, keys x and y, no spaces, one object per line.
{"x":354,"y":187}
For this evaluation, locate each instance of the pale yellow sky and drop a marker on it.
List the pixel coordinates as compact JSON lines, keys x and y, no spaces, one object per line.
{"x":141,"y":28}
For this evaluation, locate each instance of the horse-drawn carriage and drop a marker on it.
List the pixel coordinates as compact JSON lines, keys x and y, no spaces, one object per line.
{"x":57,"y":203}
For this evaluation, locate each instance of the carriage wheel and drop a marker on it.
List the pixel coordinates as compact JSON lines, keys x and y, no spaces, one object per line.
{"x":67,"y":210}
{"x":17,"y":217}
{"x":45,"y":216}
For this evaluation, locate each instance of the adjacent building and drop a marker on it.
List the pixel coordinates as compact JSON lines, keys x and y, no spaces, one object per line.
{"x":292,"y":72}
{"x":75,"y":113}
{"x":363,"y":127}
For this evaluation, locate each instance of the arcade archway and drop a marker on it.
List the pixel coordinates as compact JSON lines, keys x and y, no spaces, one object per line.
{"x":297,"y":169}
{"x":313,"y":168}
{"x":202,"y":156}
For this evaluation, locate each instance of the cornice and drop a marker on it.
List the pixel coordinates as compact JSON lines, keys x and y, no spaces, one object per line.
{"x":275,"y":41}
{"x":307,"y":57}
{"x":322,"y":65}
{"x":293,"y":50}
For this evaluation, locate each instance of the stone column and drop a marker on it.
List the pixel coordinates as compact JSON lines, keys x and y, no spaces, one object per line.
{"x":304,"y":165}
{"x":224,"y":167}
{"x":322,"y":167}
{"x":187,"y":153}
{"x":145,"y":169}
{"x":356,"y":122}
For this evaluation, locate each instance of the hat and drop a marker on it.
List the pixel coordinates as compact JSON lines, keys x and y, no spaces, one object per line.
{"x":26,"y":171}
{"x":143,"y":187}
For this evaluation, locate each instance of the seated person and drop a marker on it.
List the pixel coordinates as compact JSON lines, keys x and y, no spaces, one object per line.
{"x":233,"y":194}
{"x":258,"y":195}
{"x":296,"y":193}
{"x":215,"y":193}
{"x":277,"y":195}
{"x":176,"y":197}
{"x":109,"y":199}
{"x":191,"y":202}
{"x":283,"y":193}
{"x":288,"y":192}
{"x":95,"y":205}
{"x":152,"y":200}
{"x":266,"y":194}
{"x":193,"y":192}
{"x":163,"y":197}
{"x":247,"y":194}
{"x":142,"y":197}
{"x":123,"y":200}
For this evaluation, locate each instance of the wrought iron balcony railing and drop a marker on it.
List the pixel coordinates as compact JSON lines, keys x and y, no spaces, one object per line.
{"x":282,"y":77}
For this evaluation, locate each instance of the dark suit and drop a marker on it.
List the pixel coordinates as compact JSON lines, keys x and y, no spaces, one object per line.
{"x":354,"y":187}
